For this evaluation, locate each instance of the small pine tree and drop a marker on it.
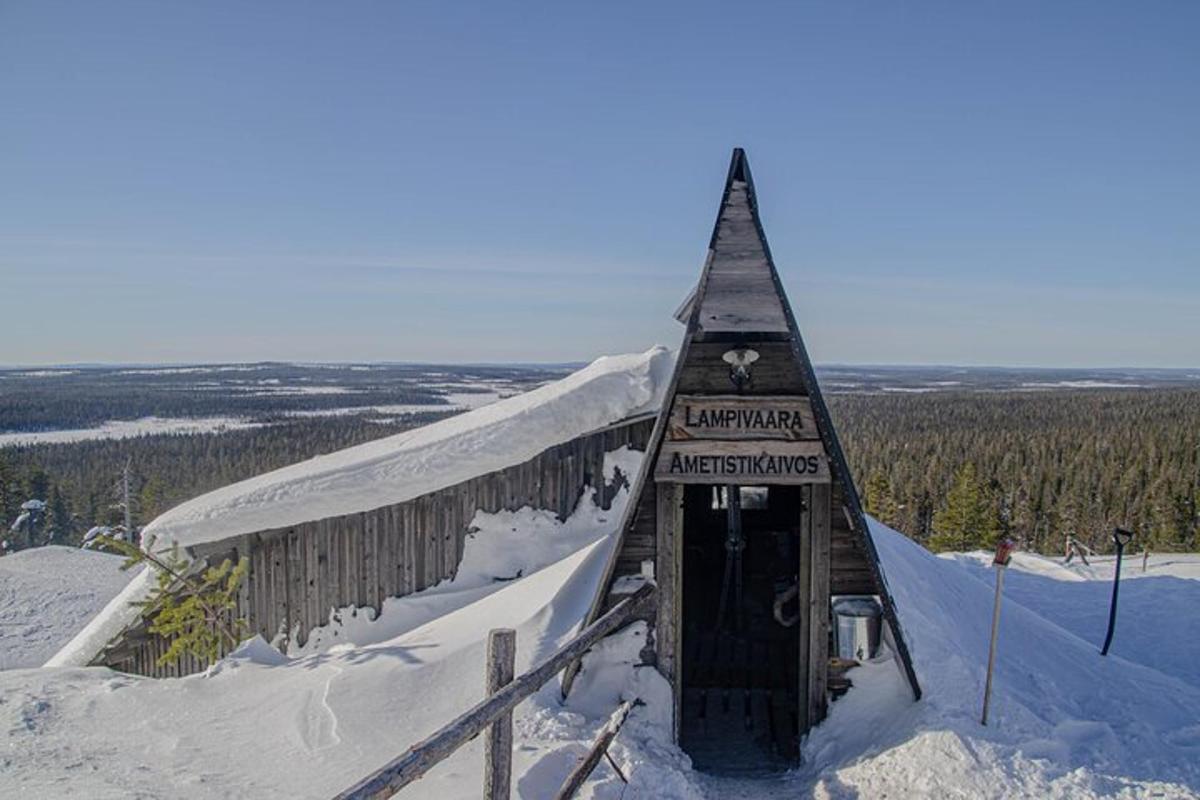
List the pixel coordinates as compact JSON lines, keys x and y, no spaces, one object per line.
{"x":37,"y":482}
{"x":152,"y":499}
{"x":192,"y":608}
{"x":880,"y":502}
{"x":10,"y":493}
{"x":60,"y":523}
{"x":969,"y":519}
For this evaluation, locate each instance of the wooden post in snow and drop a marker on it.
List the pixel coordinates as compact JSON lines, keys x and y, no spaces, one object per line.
{"x":497,"y":746}
{"x":423,"y":756}
{"x":1000,"y":562}
{"x":599,"y":749}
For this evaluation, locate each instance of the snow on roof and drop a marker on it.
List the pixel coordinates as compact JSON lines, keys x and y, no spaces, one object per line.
{"x":397,"y":468}
{"x":412,"y":463}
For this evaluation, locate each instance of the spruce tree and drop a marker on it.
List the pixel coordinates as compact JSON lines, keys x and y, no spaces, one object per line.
{"x":969,"y":519}
{"x":879,"y":500}
{"x":60,"y":523}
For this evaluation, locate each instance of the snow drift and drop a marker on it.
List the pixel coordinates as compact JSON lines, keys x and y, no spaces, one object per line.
{"x":1065,"y":723}
{"x":397,"y":468}
{"x":47,"y":594}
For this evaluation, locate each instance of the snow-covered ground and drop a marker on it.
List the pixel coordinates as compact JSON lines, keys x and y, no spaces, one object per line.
{"x":128,"y":429}
{"x":47,"y":594}
{"x":455,"y":401}
{"x":1077,"y":597}
{"x":158,"y":426}
{"x":1065,"y":723}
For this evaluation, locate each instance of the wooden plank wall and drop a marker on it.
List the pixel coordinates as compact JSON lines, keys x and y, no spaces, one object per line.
{"x":300,"y":574}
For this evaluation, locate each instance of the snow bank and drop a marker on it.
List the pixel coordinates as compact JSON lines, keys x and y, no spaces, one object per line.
{"x":1079,"y":604}
{"x":397,"y":468}
{"x":47,"y":594}
{"x":262,"y":724}
{"x":1065,"y":722}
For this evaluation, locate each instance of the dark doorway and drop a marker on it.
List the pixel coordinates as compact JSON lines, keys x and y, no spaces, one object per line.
{"x":740,"y":657}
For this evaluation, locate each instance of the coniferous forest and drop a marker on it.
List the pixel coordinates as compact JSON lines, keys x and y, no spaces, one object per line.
{"x":953,"y":470}
{"x":957,"y":471}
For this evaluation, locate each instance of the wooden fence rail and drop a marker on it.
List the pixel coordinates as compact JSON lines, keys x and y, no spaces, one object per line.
{"x":423,"y":756}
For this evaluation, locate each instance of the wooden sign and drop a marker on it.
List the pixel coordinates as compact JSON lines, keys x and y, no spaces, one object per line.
{"x":733,"y":417}
{"x":746,"y":462}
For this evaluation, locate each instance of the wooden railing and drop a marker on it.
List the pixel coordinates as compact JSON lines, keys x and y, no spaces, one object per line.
{"x":495,"y":711}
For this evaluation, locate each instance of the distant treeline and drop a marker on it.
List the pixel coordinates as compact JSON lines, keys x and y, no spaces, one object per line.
{"x":37,"y":408}
{"x":953,"y":471}
{"x":80,"y":482}
{"x":956,"y":471}
{"x":87,"y":397}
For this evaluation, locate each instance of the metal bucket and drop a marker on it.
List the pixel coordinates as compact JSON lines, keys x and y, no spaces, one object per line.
{"x":856,"y":626}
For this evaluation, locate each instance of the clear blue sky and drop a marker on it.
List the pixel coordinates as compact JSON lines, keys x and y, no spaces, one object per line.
{"x":999,"y":183}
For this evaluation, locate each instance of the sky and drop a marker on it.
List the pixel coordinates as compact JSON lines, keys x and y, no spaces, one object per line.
{"x":941,"y":183}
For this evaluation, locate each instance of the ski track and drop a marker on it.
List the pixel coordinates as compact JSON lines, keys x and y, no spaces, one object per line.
{"x":316,"y":721}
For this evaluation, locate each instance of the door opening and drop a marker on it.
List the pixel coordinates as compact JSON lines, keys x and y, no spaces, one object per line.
{"x":741,"y":627}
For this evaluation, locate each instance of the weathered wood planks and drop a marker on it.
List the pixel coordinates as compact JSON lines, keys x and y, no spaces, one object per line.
{"x":819,"y":603}
{"x":299,"y":574}
{"x":668,"y":574}
{"x":740,"y":295}
{"x":498,"y":740}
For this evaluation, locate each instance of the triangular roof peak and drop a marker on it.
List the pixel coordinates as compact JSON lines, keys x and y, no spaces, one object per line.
{"x":738,"y":292}
{"x":739,"y":167}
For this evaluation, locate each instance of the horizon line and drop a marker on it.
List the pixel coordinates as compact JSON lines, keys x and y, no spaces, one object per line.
{"x":85,"y":365}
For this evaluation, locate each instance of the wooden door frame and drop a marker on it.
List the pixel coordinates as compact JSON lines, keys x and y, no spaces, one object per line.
{"x":813,"y":598}
{"x":668,"y":572}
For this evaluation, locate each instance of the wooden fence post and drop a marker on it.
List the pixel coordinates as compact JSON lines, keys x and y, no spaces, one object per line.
{"x":497,"y":746}
{"x":421,"y":757}
{"x":1003,"y":556}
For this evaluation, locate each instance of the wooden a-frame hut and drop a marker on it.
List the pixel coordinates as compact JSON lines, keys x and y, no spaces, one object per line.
{"x":746,"y":515}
